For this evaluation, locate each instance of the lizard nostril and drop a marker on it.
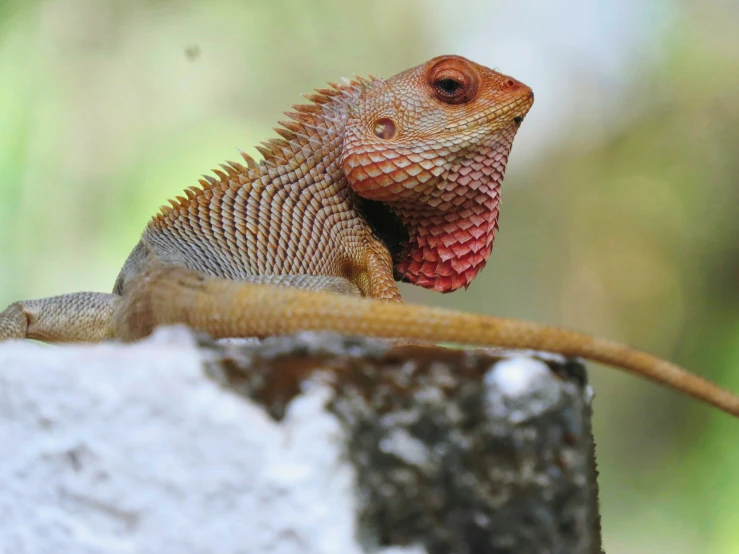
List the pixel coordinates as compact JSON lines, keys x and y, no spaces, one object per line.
{"x":518,"y":119}
{"x":385,"y":128}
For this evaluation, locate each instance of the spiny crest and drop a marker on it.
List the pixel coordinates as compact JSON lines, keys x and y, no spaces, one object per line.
{"x":226,"y":175}
{"x":326,"y":105}
{"x":250,"y":162}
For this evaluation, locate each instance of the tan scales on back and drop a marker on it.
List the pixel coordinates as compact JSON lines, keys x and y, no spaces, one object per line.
{"x":371,"y":182}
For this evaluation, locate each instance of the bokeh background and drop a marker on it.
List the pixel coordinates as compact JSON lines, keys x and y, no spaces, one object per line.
{"x":620,"y":209}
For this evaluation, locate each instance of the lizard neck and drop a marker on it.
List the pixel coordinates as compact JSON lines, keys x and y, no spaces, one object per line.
{"x":451,"y":231}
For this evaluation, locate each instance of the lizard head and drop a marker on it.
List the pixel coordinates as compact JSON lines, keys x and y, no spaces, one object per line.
{"x":431,"y":145}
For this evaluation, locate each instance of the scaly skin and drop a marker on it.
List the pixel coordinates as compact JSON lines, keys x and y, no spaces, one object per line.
{"x":373,"y":181}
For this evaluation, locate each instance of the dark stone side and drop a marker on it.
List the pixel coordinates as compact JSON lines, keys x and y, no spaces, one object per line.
{"x":446,"y":455}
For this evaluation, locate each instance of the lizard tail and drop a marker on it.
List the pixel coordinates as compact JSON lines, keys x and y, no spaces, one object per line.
{"x":225,"y":308}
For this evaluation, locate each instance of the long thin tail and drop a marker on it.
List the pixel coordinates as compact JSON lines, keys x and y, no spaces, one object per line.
{"x":225,"y":308}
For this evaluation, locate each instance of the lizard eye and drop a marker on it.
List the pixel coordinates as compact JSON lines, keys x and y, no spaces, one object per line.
{"x":453,"y":81}
{"x":449,"y":86}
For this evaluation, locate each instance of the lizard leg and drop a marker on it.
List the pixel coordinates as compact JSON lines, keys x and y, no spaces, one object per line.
{"x":78,"y":317}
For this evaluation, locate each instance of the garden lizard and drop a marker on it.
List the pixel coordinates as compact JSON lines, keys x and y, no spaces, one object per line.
{"x":373,"y":181}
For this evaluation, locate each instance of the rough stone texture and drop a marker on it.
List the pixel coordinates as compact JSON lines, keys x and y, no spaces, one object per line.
{"x":303,"y":444}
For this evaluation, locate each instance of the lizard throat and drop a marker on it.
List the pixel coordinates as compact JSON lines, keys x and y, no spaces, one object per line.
{"x":451,"y":234}
{"x":446,"y":250}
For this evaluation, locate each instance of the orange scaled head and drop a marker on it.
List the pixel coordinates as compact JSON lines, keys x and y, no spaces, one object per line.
{"x":432,"y":143}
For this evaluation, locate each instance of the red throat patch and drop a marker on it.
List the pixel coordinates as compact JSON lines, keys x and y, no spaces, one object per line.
{"x":450,"y":242}
{"x":449,"y":211}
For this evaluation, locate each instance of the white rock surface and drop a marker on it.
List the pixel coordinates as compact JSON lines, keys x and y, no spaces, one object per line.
{"x":132,"y":449}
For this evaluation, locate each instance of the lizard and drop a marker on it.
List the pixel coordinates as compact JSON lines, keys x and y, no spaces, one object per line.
{"x":371,"y":182}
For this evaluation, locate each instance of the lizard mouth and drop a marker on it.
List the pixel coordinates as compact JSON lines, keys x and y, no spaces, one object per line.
{"x":514,"y":111}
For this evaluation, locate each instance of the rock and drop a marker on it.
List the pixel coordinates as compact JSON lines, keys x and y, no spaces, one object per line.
{"x":303,"y":444}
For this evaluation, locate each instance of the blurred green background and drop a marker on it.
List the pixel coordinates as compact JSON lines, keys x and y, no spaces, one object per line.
{"x":620,"y":210}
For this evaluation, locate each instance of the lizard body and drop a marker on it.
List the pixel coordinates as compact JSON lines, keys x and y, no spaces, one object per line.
{"x":373,"y":181}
